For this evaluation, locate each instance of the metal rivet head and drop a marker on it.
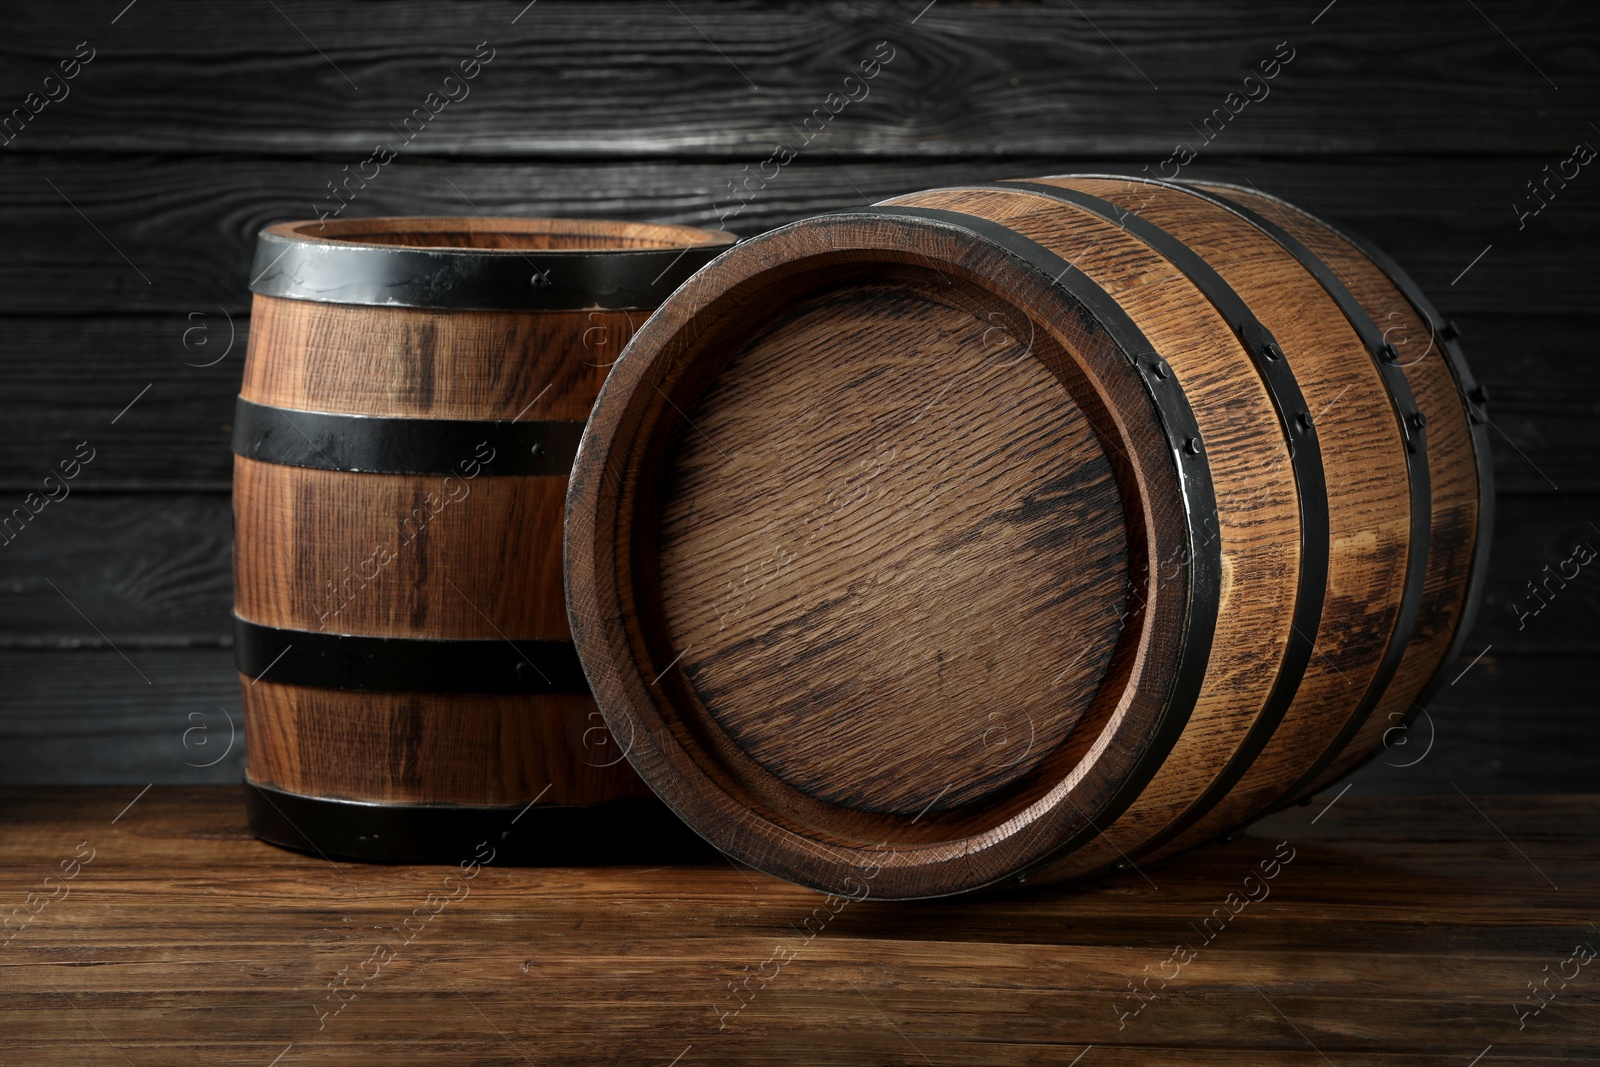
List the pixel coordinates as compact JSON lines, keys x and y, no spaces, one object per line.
{"x":1120,"y":865}
{"x":1450,"y":331}
{"x":541,"y":280}
{"x":1271,"y":351}
{"x":1192,"y":446}
{"x":1161,"y":369}
{"x":535,"y":450}
{"x":1388,"y":354}
{"x":1479,"y":395}
{"x":1418,"y":420}
{"x":521,"y":669}
{"x":1304,"y":419}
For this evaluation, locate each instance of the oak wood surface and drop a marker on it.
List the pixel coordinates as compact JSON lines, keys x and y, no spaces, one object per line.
{"x":85,"y":712}
{"x":1400,"y":932}
{"x":1544,"y":396}
{"x":469,"y":554}
{"x":1363,"y":458}
{"x":476,"y":749}
{"x":1452,"y":471}
{"x":615,"y":594}
{"x":199,"y":122}
{"x":484,"y":564}
{"x":498,"y":364}
{"x":185,"y":601}
{"x":1258,"y":522}
{"x":790,"y":642}
{"x":867,"y":537}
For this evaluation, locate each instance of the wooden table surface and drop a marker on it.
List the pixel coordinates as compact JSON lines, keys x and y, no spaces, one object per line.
{"x":1397,"y":931}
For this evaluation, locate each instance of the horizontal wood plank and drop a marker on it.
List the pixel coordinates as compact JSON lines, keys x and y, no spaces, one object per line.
{"x":103,"y":715}
{"x":176,"y":235}
{"x":1400,"y":932}
{"x":727,"y":80}
{"x":153,"y":571}
{"x":119,"y":715}
{"x":64,"y":381}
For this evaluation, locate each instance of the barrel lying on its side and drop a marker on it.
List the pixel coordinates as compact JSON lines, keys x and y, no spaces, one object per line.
{"x":413,"y":397}
{"x":1021,"y":529}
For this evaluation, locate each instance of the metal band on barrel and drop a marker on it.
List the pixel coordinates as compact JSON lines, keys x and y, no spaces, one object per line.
{"x":405,"y":664}
{"x":1177,"y":423}
{"x":1475,"y":400}
{"x":384,"y":445}
{"x":458,"y":279}
{"x":633,"y":830}
{"x":1305,"y":458}
{"x":1412,"y":430}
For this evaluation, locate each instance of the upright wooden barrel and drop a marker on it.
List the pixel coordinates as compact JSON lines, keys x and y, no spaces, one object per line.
{"x":1023,"y":530}
{"x":413,"y":396}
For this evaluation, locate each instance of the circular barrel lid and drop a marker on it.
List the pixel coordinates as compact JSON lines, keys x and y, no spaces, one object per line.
{"x":863,"y":543}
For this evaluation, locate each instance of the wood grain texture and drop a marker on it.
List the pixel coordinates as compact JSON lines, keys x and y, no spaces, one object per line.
{"x":478,"y":559}
{"x":1452,"y":472}
{"x":869,"y":537}
{"x":500,"y":365}
{"x":1546,"y":396}
{"x":615,"y":596}
{"x":1363,"y":459}
{"x":468,"y":554}
{"x":1400,"y":933}
{"x":824,"y":636}
{"x":186,"y":600}
{"x":190,"y":227}
{"x":197,"y":123}
{"x":725,"y":79}
{"x":421,"y":748}
{"x":84,"y":714}
{"x":1258,"y":522}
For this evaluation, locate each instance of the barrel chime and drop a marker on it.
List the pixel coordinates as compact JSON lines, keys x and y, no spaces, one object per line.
{"x":999,"y":534}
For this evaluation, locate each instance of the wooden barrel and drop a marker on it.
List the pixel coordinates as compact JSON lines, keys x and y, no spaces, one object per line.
{"x":413,"y":396}
{"x":1023,"y":530}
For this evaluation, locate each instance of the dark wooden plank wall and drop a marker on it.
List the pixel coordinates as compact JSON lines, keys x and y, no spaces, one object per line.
{"x":129,"y":210}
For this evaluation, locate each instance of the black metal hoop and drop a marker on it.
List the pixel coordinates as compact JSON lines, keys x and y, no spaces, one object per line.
{"x":631,"y":831}
{"x":471,"y":279}
{"x":405,"y":664}
{"x":1178,"y":425}
{"x":385,"y":444}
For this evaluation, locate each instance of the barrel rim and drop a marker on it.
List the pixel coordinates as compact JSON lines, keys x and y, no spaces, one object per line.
{"x":293,"y":264}
{"x":603,"y":610}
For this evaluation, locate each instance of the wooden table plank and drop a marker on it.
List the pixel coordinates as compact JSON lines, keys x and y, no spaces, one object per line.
{"x":1402,"y":931}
